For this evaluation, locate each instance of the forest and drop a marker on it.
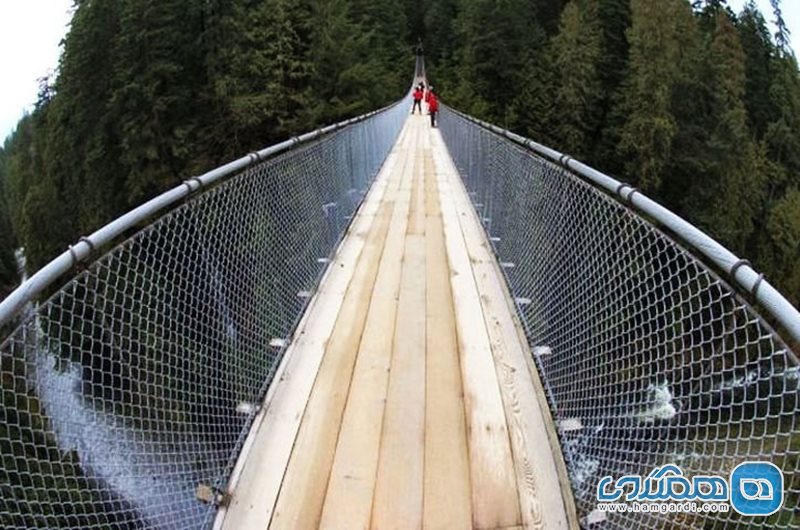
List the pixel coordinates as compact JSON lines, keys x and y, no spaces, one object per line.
{"x":695,"y":104}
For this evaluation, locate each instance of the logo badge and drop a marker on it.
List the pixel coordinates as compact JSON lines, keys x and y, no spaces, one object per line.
{"x":756,"y":488}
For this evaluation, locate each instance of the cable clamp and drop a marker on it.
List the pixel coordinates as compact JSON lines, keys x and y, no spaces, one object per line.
{"x":754,"y":290}
{"x":75,"y":259}
{"x":737,"y":265}
{"x":188,"y":184}
{"x":88,"y":242}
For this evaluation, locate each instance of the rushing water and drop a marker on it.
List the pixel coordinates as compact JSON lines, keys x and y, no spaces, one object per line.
{"x":152,"y":472}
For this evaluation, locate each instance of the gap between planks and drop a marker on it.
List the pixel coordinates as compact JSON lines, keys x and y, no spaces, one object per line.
{"x":300,"y":501}
{"x":256,"y":487}
{"x":540,"y":470}
{"x":350,"y":489}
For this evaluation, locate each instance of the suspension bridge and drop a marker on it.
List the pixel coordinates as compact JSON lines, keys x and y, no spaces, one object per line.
{"x":380,"y":324}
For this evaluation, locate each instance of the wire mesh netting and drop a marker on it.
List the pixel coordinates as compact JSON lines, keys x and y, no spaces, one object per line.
{"x":648,"y":357}
{"x":138,"y":380}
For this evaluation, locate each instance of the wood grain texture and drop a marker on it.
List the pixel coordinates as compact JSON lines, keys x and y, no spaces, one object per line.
{"x":255,"y":487}
{"x":299,"y":503}
{"x":495,"y":501}
{"x":399,"y":482}
{"x":348,"y":500}
{"x":541,"y":501}
{"x":447,"y":503}
{"x":408,"y":398}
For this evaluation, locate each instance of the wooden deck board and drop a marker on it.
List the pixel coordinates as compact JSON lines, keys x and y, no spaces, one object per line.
{"x":406,"y":399}
{"x":348,"y":502}
{"x":275,"y":428}
{"x":447,"y":501}
{"x":398,"y":488}
{"x":533,"y":455}
{"x":495,"y":502}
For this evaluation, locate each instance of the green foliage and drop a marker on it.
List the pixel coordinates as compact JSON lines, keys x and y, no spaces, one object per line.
{"x":496,"y":43}
{"x":152,"y":91}
{"x":759,"y":51}
{"x":8,"y":266}
{"x":694,"y":104}
{"x":780,"y":252}
{"x":661,"y":35}
{"x":576,"y":53}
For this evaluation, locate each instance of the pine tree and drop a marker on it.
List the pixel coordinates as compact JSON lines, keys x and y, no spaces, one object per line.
{"x":548,"y":13}
{"x":782,"y":33}
{"x":532,"y":112}
{"x":783,"y":132}
{"x":779,"y":252}
{"x":759,"y":52}
{"x":259,"y":70}
{"x":497,"y":42}
{"x":576,"y":57}
{"x":658,"y":40}
{"x":337,"y":42}
{"x":8,"y":267}
{"x":387,"y":57}
{"x":157,"y":66}
{"x":441,"y":37}
{"x":414,"y":12}
{"x":83,"y":157}
{"x":614,"y":17}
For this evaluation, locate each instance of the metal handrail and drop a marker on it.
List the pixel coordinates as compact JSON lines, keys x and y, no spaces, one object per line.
{"x":85,"y":246}
{"x":738,"y":269}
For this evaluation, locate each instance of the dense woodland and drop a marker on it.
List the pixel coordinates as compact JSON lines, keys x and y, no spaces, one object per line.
{"x":695,"y":104}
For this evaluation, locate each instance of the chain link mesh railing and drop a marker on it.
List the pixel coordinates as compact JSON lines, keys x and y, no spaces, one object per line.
{"x":648,"y":356}
{"x":136,"y":381}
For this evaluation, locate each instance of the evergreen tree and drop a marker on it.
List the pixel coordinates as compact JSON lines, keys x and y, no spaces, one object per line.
{"x":83,"y":158}
{"x":783,"y":132}
{"x":759,"y":51}
{"x":782,"y":33}
{"x":532,"y":112}
{"x":658,"y":41}
{"x":387,"y":58}
{"x":414,"y":13}
{"x":739,"y":166}
{"x":157,"y":69}
{"x":497,"y":42}
{"x":8,"y":265}
{"x":667,"y":97}
{"x":614,"y":17}
{"x":441,"y":37}
{"x":547,"y":13}
{"x":576,"y":52}
{"x":259,"y":72}
{"x":780,"y":252}
{"x":336,"y":43}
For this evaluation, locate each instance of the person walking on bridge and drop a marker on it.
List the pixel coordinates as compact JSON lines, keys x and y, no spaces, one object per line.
{"x":417,"y":99}
{"x":433,"y":105}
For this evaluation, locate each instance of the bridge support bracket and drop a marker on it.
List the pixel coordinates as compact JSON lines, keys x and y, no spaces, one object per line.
{"x":211,"y":495}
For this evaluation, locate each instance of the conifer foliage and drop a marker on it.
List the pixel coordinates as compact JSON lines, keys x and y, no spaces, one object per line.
{"x":150,"y":91}
{"x":695,"y":104}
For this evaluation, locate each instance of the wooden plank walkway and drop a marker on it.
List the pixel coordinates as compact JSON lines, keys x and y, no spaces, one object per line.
{"x":407,"y":398}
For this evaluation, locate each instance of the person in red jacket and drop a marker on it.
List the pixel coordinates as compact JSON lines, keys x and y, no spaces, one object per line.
{"x":433,"y":106}
{"x":417,"y":99}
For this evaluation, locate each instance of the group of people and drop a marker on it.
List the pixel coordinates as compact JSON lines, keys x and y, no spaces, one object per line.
{"x":420,"y":93}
